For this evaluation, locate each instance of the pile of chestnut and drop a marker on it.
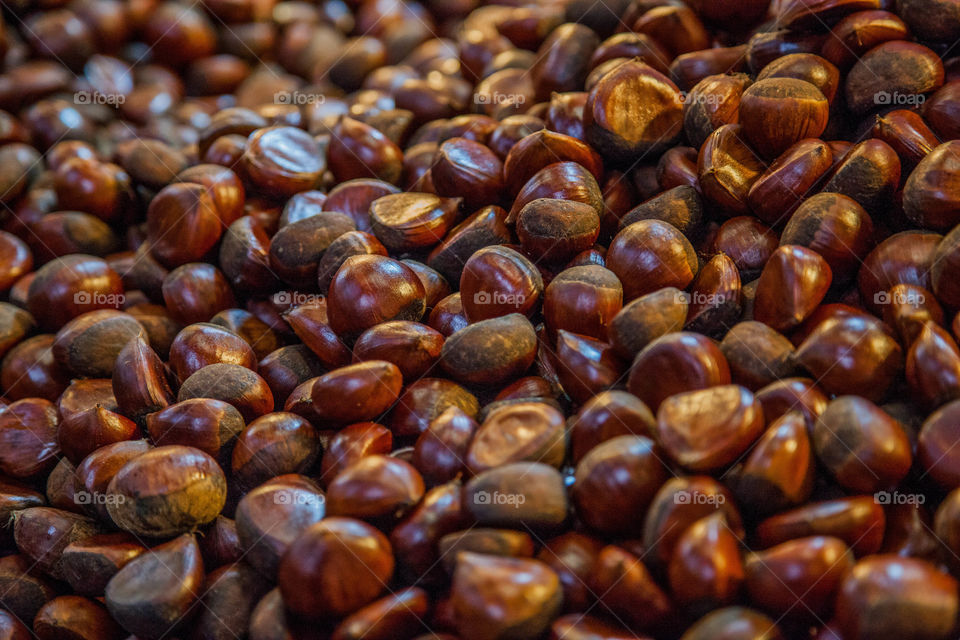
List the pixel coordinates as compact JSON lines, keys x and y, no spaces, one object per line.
{"x":454,"y":320}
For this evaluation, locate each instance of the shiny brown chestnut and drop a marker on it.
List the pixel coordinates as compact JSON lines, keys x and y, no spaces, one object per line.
{"x":865,"y":448}
{"x":617,"y":477}
{"x":893,"y":584}
{"x":522,"y":431}
{"x":497,"y":281}
{"x":358,"y":392}
{"x":778,"y":112}
{"x":530,"y":589}
{"x":792,"y":284}
{"x":728,"y":167}
{"x":709,"y":428}
{"x":779,"y":470}
{"x":858,"y":521}
{"x":270,"y":517}
{"x":675,"y":363}
{"x":583,"y":300}
{"x":870,"y":359}
{"x":898,"y":68}
{"x":321,"y":556}
{"x":195,"y":292}
{"x":643,"y":131}
{"x":650,"y":255}
{"x":370,"y":289}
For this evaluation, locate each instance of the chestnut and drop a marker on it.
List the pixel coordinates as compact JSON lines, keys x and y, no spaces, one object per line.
{"x":370,"y":289}
{"x":413,"y":347}
{"x":81,"y":433}
{"x":67,"y":287}
{"x":709,"y":428}
{"x":535,"y":496}
{"x":28,"y":438}
{"x":870,"y":357}
{"x":624,"y":139}
{"x":557,"y":230}
{"x":358,"y":392}
{"x":706,"y":570}
{"x":440,"y":449}
{"x":373,"y":488}
{"x":782,"y":187}
{"x":203,"y":423}
{"x":140,"y":383}
{"x":425,"y":400}
{"x":733,"y":621}
{"x":326,"y":554}
{"x":792,"y":284}
{"x":894,"y":584}
{"x":490,"y":351}
{"x":399,"y":614}
{"x":90,"y":563}
{"x":283,"y":160}
{"x":618,"y":476}
{"x":166,"y":491}
{"x":675,"y":363}
{"x":25,"y":588}
{"x":779,"y":471}
{"x":628,"y":590}
{"x":649,"y":255}
{"x":496,"y":281}
{"x":865,"y":448}
{"x":233,"y":384}
{"x":67,"y":615}
{"x":868,"y":172}
{"x":514,"y":432}
{"x":927,"y":197}
{"x":776,"y":112}
{"x":154,"y":593}
{"x":529,"y":589}
{"x":713,"y":102}
{"x":270,"y":517}
{"x":728,"y":167}
{"x":799,"y":577}
{"x":894,"y":68}
{"x":858,"y":521}
{"x":274,"y":444}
